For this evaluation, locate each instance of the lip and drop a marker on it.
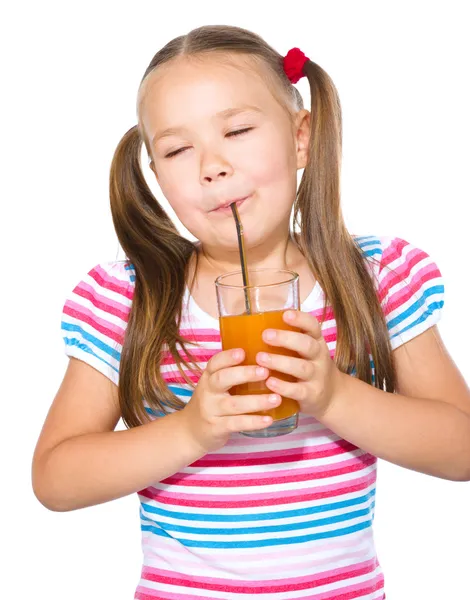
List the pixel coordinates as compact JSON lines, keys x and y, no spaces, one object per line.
{"x":226,"y":208}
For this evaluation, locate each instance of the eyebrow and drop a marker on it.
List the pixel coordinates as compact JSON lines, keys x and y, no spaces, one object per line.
{"x":223,"y":114}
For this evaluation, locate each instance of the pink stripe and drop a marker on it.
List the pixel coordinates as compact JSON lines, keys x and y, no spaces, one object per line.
{"x":201,"y":335}
{"x":177,"y":378}
{"x":403,"y":295}
{"x":400,"y":272}
{"x":268,"y":478}
{"x":118,"y":331}
{"x":393,"y":251}
{"x":200,"y":330}
{"x":266,"y":587}
{"x":258,"y":500}
{"x":200,"y":354}
{"x":318,"y":313}
{"x":352,"y":591}
{"x":331,"y":338}
{"x":144,"y":593}
{"x":112,"y":283}
{"x":329,"y":331}
{"x":275,"y":456}
{"x":396,"y":278}
{"x":105,"y":304}
{"x":345,"y":593}
{"x":89,"y":320}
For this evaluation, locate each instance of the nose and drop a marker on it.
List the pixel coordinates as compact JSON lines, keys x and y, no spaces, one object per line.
{"x":214,"y":167}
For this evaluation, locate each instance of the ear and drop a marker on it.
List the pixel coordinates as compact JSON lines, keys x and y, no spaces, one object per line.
{"x":302,"y":137}
{"x":152,"y":166}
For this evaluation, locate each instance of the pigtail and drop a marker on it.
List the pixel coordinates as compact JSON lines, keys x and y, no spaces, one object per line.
{"x":160,"y":256}
{"x":335,"y":259}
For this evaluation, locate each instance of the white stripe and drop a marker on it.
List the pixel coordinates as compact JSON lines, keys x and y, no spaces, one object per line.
{"x":307,"y":486}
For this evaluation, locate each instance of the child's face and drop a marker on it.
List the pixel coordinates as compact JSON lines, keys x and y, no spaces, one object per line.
{"x":212,"y":167}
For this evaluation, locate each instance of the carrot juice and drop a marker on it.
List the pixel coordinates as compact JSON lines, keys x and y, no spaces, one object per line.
{"x":245,"y":331}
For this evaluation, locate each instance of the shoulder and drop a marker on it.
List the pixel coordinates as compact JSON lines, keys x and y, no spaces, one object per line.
{"x":112,"y":276}
{"x":113,"y":280}
{"x":95,"y":315}
{"x":391,"y":254}
{"x":409,"y":284}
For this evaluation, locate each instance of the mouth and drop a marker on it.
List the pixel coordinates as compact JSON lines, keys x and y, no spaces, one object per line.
{"x":226,"y":208}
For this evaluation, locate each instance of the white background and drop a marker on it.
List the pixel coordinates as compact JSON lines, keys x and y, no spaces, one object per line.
{"x":70,"y":73}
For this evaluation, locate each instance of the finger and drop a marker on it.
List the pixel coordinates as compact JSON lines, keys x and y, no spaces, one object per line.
{"x":242,"y":405}
{"x":224,"y":379}
{"x":304,"y":321}
{"x":224,"y":359}
{"x":297,"y":390}
{"x":302,"y":343}
{"x":239,"y":423}
{"x":298,"y":367}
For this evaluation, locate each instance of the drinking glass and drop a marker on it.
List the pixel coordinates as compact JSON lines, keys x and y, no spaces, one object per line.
{"x":245,"y":311}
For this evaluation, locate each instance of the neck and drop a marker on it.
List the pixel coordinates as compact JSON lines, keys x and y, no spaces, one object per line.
{"x":282,"y":253}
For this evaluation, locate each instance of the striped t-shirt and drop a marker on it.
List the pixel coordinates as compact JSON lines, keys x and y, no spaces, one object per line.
{"x":276,"y":519}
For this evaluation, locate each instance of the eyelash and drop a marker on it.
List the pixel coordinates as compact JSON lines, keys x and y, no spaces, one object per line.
{"x":231,"y":134}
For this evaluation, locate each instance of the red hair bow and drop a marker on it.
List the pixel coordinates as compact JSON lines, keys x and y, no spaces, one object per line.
{"x":294,"y":62}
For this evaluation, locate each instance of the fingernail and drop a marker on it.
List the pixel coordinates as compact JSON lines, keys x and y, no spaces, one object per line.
{"x":269,"y":334}
{"x":274,"y":399}
{"x":236,"y":354}
{"x":263,"y":356}
{"x":290,"y":316}
{"x":260,"y":371}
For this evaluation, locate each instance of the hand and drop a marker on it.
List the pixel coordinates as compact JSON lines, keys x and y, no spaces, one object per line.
{"x":319,"y":379}
{"x":213,"y":413}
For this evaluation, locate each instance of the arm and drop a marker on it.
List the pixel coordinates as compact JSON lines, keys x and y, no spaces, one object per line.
{"x":425,"y":426}
{"x":81,"y":461}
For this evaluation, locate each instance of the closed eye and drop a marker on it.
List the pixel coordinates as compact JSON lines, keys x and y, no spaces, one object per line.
{"x":239,"y":131}
{"x":230,"y":134}
{"x":175,"y":152}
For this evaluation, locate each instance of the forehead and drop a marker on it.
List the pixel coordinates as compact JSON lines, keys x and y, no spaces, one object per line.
{"x":187,"y":89}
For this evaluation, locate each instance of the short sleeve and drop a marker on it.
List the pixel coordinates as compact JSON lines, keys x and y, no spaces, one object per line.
{"x":95,"y":316}
{"x":411,"y":290}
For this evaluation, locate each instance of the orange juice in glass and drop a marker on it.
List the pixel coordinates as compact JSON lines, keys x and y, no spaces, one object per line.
{"x":269,"y":294}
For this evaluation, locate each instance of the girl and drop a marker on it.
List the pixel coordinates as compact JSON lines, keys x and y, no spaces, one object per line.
{"x":225,"y":515}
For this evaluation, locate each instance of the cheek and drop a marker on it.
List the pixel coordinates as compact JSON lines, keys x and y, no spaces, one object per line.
{"x":185,"y":199}
{"x":272,"y":162}
{"x":179,"y":190}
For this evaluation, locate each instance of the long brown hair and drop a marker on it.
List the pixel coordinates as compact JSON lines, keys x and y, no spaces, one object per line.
{"x":161,"y":256}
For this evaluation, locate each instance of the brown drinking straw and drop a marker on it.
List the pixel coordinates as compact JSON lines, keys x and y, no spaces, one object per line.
{"x":241,"y":248}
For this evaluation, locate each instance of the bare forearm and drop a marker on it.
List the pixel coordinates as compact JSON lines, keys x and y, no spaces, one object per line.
{"x":430,"y":436}
{"x":95,"y":468}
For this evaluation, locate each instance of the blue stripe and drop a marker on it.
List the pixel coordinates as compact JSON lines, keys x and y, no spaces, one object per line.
{"x":432,"y":307}
{"x":155,"y":413}
{"x":180,"y":391}
{"x":436,"y":289}
{"x":92,"y":339}
{"x":370,"y":242}
{"x":364,"y":237}
{"x":85,"y":348}
{"x":372,"y":252}
{"x":285,"y":514}
{"x":286,"y":527}
{"x":130,"y":268}
{"x":263,"y":543}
